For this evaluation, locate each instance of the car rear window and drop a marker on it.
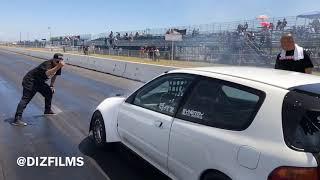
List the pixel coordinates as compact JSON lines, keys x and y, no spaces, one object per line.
{"x":312,"y":89}
{"x":301,"y":118}
{"x":221,"y":104}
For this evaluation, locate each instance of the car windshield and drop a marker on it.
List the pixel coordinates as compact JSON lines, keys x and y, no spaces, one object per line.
{"x":301,"y":118}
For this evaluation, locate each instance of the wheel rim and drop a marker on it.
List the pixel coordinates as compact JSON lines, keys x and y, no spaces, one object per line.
{"x":98,"y":131}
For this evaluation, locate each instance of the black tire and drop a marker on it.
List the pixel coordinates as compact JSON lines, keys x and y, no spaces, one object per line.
{"x":215,"y":175}
{"x":98,"y":130}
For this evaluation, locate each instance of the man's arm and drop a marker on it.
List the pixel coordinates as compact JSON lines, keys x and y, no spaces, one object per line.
{"x":54,"y":70}
{"x":53,"y":79}
{"x":307,"y":63}
{"x":308,"y":70}
{"x":277,"y":66}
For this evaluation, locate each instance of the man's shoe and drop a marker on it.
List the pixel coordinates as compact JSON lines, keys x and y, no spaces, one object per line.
{"x":49,"y":112}
{"x":18,"y":122}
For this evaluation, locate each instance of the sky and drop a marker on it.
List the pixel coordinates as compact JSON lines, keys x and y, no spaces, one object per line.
{"x":66,"y":17}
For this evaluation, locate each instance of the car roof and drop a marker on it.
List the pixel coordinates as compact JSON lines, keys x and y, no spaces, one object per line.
{"x":274,"y":77}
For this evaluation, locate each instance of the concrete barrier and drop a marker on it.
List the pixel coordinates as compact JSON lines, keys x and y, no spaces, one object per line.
{"x":144,"y":72}
{"x":112,"y":67}
{"x":136,"y":71}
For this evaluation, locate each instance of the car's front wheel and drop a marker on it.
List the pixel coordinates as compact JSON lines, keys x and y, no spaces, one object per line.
{"x":98,"y":130}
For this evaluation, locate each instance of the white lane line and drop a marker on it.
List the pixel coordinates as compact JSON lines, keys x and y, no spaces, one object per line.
{"x":56,"y":109}
{"x":2,"y":171}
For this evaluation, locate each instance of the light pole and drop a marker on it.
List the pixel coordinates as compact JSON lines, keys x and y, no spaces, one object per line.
{"x":49,"y":28}
{"x":172,"y":42}
{"x":44,"y":42}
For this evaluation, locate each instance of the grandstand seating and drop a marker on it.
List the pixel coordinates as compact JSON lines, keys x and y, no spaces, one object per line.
{"x":221,"y":41}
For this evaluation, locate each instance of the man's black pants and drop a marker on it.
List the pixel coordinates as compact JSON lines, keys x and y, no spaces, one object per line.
{"x":43,"y":88}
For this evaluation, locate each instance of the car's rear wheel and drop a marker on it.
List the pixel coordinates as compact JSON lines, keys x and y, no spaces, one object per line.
{"x":98,"y":130}
{"x":215,"y":175}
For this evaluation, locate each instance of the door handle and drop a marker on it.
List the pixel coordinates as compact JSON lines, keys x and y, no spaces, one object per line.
{"x":158,"y":124}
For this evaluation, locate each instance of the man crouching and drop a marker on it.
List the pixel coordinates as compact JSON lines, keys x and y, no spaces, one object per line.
{"x":35,"y":81}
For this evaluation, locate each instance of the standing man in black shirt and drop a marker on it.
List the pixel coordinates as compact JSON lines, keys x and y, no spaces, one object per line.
{"x":35,"y":81}
{"x":293,"y":57}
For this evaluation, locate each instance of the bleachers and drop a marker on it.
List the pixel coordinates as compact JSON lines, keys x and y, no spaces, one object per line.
{"x":221,"y":41}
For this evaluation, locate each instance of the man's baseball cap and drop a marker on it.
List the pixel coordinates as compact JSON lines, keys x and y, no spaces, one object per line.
{"x":58,"y":56}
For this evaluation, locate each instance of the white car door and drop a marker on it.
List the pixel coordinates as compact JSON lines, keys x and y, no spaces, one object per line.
{"x":206,"y":131}
{"x":145,"y":119}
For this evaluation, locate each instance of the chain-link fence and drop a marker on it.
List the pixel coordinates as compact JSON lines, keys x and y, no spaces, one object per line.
{"x":244,"y":42}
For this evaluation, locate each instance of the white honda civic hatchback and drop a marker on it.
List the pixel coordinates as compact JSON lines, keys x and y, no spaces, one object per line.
{"x":220,"y":123}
